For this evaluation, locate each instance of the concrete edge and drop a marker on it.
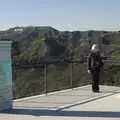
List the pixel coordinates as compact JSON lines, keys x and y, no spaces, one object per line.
{"x":86,"y":101}
{"x":52,"y":93}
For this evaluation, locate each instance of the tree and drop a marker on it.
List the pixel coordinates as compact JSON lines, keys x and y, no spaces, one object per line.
{"x":35,"y":51}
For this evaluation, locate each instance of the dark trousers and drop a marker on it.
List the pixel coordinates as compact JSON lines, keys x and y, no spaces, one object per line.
{"x":95,"y":80}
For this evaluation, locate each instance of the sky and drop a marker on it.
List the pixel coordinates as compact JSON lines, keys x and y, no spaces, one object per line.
{"x":61,"y":14}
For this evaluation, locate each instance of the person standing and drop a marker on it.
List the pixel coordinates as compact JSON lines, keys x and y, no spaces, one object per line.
{"x":95,"y":64}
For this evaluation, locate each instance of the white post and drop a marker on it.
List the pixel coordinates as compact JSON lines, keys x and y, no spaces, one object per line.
{"x":5,"y":75}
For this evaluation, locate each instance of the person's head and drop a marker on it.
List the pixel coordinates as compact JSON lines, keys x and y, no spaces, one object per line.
{"x":94,"y":48}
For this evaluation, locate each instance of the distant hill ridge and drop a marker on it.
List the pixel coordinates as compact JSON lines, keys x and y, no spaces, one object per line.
{"x":36,"y":42}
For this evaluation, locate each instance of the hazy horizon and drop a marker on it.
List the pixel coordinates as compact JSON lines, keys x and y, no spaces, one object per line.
{"x":4,"y":28}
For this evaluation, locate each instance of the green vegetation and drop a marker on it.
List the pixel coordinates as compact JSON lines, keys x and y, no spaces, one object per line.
{"x":46,"y":43}
{"x":112,"y":75}
{"x":36,"y":50}
{"x":115,"y":53}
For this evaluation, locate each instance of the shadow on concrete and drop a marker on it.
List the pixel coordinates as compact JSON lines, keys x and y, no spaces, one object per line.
{"x":40,"y":112}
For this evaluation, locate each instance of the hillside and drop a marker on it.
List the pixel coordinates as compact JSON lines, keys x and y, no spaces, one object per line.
{"x":33,"y":45}
{"x":57,"y":43}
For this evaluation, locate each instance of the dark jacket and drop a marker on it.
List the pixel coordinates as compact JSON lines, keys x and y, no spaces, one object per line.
{"x":95,"y":61}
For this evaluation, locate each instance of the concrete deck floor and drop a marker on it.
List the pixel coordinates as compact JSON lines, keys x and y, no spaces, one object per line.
{"x":77,"y":104}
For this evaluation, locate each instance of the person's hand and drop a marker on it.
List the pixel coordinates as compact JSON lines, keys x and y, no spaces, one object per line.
{"x":88,"y":71}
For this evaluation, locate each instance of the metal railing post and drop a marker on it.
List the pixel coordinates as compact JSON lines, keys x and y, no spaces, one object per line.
{"x":45,"y":78}
{"x":71,"y":75}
